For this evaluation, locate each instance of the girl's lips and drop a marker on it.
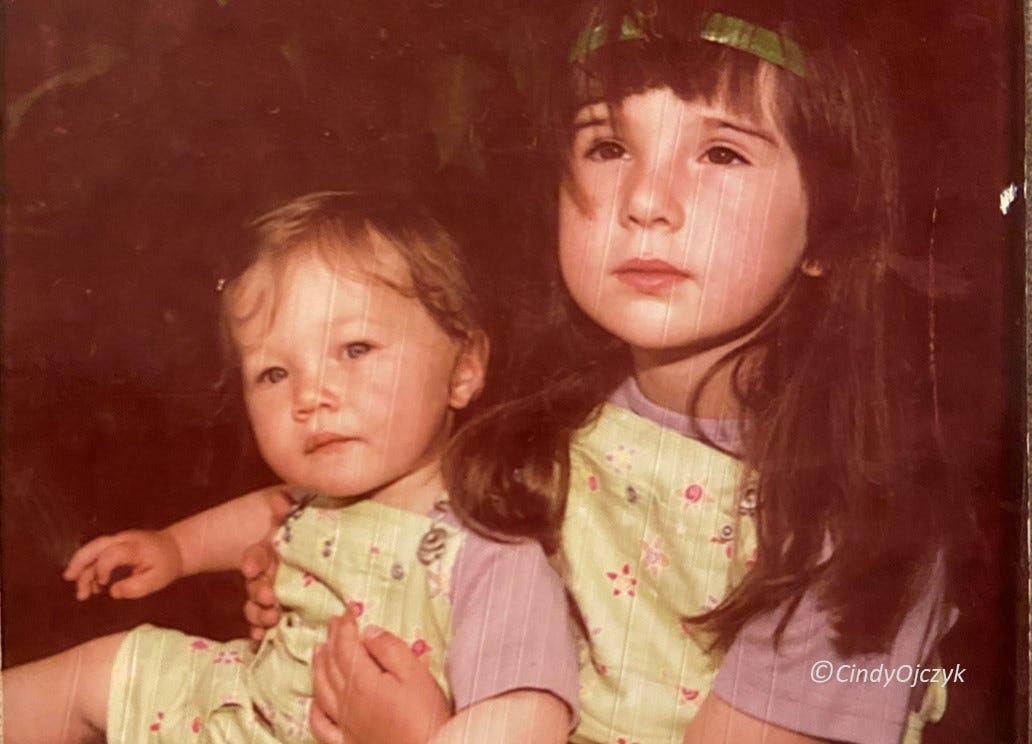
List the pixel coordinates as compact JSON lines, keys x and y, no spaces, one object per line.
{"x":324,"y":440}
{"x":650,"y":275}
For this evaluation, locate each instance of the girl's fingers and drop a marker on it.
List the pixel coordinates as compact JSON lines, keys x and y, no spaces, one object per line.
{"x":324,"y":729}
{"x":256,"y":562}
{"x":258,"y":617}
{"x":323,"y":694}
{"x":391,"y":653}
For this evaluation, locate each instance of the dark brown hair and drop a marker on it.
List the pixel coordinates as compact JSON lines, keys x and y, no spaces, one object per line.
{"x":832,"y":403}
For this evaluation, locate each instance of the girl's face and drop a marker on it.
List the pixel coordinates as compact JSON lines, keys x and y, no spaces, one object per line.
{"x":681,"y":222}
{"x":349,"y":384}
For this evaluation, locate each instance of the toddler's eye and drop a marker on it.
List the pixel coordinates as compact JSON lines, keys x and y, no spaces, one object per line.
{"x":272,"y":375}
{"x":606,"y":150}
{"x":357,"y":349}
{"x":723,"y":156}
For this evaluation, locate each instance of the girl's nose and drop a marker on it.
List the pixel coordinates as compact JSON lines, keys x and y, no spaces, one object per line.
{"x":311,"y":395}
{"x":651,"y":197}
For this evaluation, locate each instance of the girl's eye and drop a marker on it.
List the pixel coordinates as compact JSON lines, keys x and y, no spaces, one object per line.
{"x":272,"y":375}
{"x":357,"y":349}
{"x":606,"y":150}
{"x":723,"y":156}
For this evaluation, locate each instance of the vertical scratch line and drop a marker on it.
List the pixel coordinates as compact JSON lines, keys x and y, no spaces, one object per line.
{"x":932,"y":367}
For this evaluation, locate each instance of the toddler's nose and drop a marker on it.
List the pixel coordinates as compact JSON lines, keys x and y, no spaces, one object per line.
{"x":311,"y":395}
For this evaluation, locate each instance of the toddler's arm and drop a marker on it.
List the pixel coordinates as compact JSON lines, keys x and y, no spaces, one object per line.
{"x":213,"y":540}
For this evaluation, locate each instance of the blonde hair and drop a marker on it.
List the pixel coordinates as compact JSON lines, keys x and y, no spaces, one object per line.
{"x":336,"y":225}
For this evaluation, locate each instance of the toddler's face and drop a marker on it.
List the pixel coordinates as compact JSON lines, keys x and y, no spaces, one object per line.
{"x":681,"y":221}
{"x":349,"y":383}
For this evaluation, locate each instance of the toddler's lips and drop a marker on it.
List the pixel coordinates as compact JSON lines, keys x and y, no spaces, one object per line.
{"x":650,"y":275}
{"x":325,"y":440}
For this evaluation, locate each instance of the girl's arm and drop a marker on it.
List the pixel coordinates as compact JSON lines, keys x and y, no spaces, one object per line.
{"x":213,"y":540}
{"x":717,"y":723}
{"x":379,"y":692}
{"x":511,"y":662}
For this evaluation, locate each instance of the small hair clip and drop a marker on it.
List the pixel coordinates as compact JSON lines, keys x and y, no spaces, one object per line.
{"x":220,"y":284}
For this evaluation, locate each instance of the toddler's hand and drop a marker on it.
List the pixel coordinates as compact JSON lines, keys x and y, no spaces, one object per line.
{"x":371,"y":689}
{"x":152,"y":556}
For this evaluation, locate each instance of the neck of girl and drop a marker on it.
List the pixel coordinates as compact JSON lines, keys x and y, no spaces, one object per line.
{"x":672,"y":379}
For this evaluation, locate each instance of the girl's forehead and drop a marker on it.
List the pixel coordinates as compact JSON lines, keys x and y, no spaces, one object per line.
{"x":754,"y":110}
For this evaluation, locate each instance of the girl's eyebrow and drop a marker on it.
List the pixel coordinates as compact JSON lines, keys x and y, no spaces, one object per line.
{"x":592,"y":114}
{"x":745,"y":128}
{"x":594,"y":121}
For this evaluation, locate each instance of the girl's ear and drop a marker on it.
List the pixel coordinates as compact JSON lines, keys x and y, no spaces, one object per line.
{"x":467,"y":378}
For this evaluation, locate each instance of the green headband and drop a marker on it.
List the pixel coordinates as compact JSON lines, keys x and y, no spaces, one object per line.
{"x":720,"y":29}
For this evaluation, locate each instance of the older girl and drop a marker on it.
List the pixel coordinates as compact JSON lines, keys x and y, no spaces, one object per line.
{"x":734,"y":458}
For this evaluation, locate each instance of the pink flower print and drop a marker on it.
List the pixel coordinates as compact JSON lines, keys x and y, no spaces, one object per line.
{"x":356,"y":608}
{"x":374,"y":550}
{"x":195,"y":725}
{"x":725,"y":537}
{"x":592,"y":483}
{"x":307,"y":579}
{"x":620,"y":459}
{"x":623,"y":582}
{"x":420,"y":647}
{"x":625,"y":740}
{"x":654,"y":557}
{"x":688,"y":694}
{"x":199,"y":644}
{"x":692,"y":495}
{"x":157,"y":724}
{"x":227,"y":657}
{"x":601,"y":668}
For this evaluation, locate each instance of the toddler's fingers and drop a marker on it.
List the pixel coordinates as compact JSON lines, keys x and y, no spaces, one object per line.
{"x":120,"y":554}
{"x":86,"y":555}
{"x":135,"y":586}
{"x":85,"y":584}
{"x":259,"y":617}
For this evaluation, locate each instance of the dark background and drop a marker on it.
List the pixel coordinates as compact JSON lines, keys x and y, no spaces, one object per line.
{"x":141,"y":137}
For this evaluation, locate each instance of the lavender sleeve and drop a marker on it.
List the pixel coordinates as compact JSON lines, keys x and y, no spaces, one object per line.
{"x":510,"y":625}
{"x":808,"y":687}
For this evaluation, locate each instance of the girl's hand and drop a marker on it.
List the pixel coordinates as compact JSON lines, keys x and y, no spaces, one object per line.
{"x":371,"y":688}
{"x":259,"y":566}
{"x":153,"y":557}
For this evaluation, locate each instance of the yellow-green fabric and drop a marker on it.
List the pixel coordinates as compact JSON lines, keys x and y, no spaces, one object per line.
{"x":657,"y":528}
{"x":392,"y":567}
